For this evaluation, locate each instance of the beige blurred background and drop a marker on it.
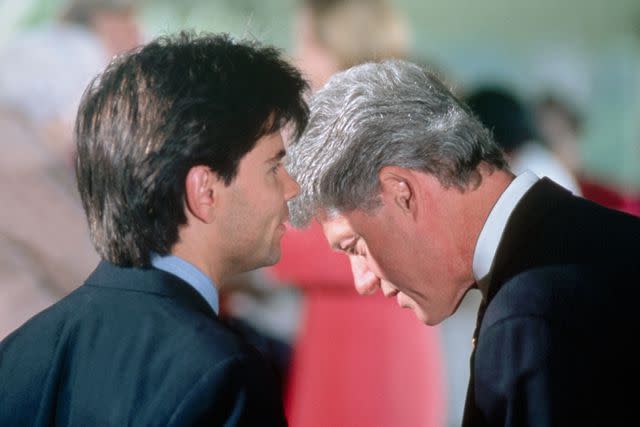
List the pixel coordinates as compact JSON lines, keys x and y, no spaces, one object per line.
{"x":589,"y":50}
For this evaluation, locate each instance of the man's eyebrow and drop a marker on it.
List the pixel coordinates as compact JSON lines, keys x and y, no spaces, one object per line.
{"x":279,"y":155}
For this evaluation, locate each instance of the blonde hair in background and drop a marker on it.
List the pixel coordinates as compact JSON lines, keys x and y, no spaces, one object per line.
{"x":357,"y":31}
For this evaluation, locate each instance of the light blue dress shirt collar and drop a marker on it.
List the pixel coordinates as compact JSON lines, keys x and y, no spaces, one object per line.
{"x":190,"y":274}
{"x":493,"y":228}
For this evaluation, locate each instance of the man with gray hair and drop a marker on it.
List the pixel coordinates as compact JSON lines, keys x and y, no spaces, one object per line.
{"x":409,"y":184}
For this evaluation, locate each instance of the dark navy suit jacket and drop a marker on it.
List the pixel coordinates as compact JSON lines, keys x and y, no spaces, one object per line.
{"x":559,"y":318}
{"x":133,"y":347}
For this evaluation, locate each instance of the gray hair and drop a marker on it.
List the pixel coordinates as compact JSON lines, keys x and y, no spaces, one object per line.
{"x":376,"y":115}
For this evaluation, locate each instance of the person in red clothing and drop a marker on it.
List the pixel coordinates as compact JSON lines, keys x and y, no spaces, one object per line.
{"x":351,"y":359}
{"x":609,"y":196}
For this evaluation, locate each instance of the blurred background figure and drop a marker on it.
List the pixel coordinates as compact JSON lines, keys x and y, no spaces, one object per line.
{"x":561,"y":125}
{"x":352,"y":354}
{"x":43,"y":234}
{"x":44,"y":245}
{"x":513,"y":129}
{"x":333,"y":35}
{"x":113,"y":22}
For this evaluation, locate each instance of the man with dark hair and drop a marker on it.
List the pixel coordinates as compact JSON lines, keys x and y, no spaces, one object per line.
{"x":408,"y":183}
{"x":179,"y":167}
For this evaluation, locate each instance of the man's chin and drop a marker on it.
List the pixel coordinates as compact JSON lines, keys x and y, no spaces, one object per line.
{"x":266,"y":260}
{"x":421,"y":314}
{"x":428,"y":320}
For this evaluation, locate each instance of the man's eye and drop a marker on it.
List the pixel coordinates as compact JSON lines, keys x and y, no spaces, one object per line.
{"x":347,"y":249}
{"x":354,"y":250}
{"x":275,"y":168}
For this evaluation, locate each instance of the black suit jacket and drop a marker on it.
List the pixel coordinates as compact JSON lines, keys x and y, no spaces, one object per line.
{"x":133,"y":347}
{"x":559,"y":317}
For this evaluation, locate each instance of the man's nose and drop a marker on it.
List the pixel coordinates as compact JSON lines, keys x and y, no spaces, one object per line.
{"x":365,"y":281}
{"x":291,"y":186}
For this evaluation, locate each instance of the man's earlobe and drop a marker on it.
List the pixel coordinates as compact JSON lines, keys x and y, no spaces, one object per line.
{"x":201,"y":192}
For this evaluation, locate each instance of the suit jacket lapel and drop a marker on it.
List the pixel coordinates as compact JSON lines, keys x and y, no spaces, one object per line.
{"x":530,"y":230}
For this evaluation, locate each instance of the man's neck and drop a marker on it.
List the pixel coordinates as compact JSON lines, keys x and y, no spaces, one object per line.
{"x":199,"y":258}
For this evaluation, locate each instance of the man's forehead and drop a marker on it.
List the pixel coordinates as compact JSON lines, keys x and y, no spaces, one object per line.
{"x":336,"y":226}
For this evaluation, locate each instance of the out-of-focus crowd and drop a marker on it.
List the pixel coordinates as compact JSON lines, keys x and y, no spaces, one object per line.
{"x":44,"y":244}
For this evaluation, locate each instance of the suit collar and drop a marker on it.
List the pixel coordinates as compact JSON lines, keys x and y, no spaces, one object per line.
{"x":188,"y":272}
{"x":148,"y":280}
{"x":530,"y":223}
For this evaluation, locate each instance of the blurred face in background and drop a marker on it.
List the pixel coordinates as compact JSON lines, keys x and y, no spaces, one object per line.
{"x":313,"y":58}
{"x":118,"y":30}
{"x":333,"y":36}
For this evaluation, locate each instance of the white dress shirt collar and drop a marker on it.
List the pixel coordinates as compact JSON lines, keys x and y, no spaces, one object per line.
{"x":495,"y":224}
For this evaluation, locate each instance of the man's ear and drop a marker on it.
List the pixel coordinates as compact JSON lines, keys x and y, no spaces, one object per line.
{"x":398,"y":186}
{"x":201,"y":192}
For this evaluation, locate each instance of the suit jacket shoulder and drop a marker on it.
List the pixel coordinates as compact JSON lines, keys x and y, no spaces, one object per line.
{"x":133,"y":347}
{"x":552,"y":341}
{"x":551,"y":227}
